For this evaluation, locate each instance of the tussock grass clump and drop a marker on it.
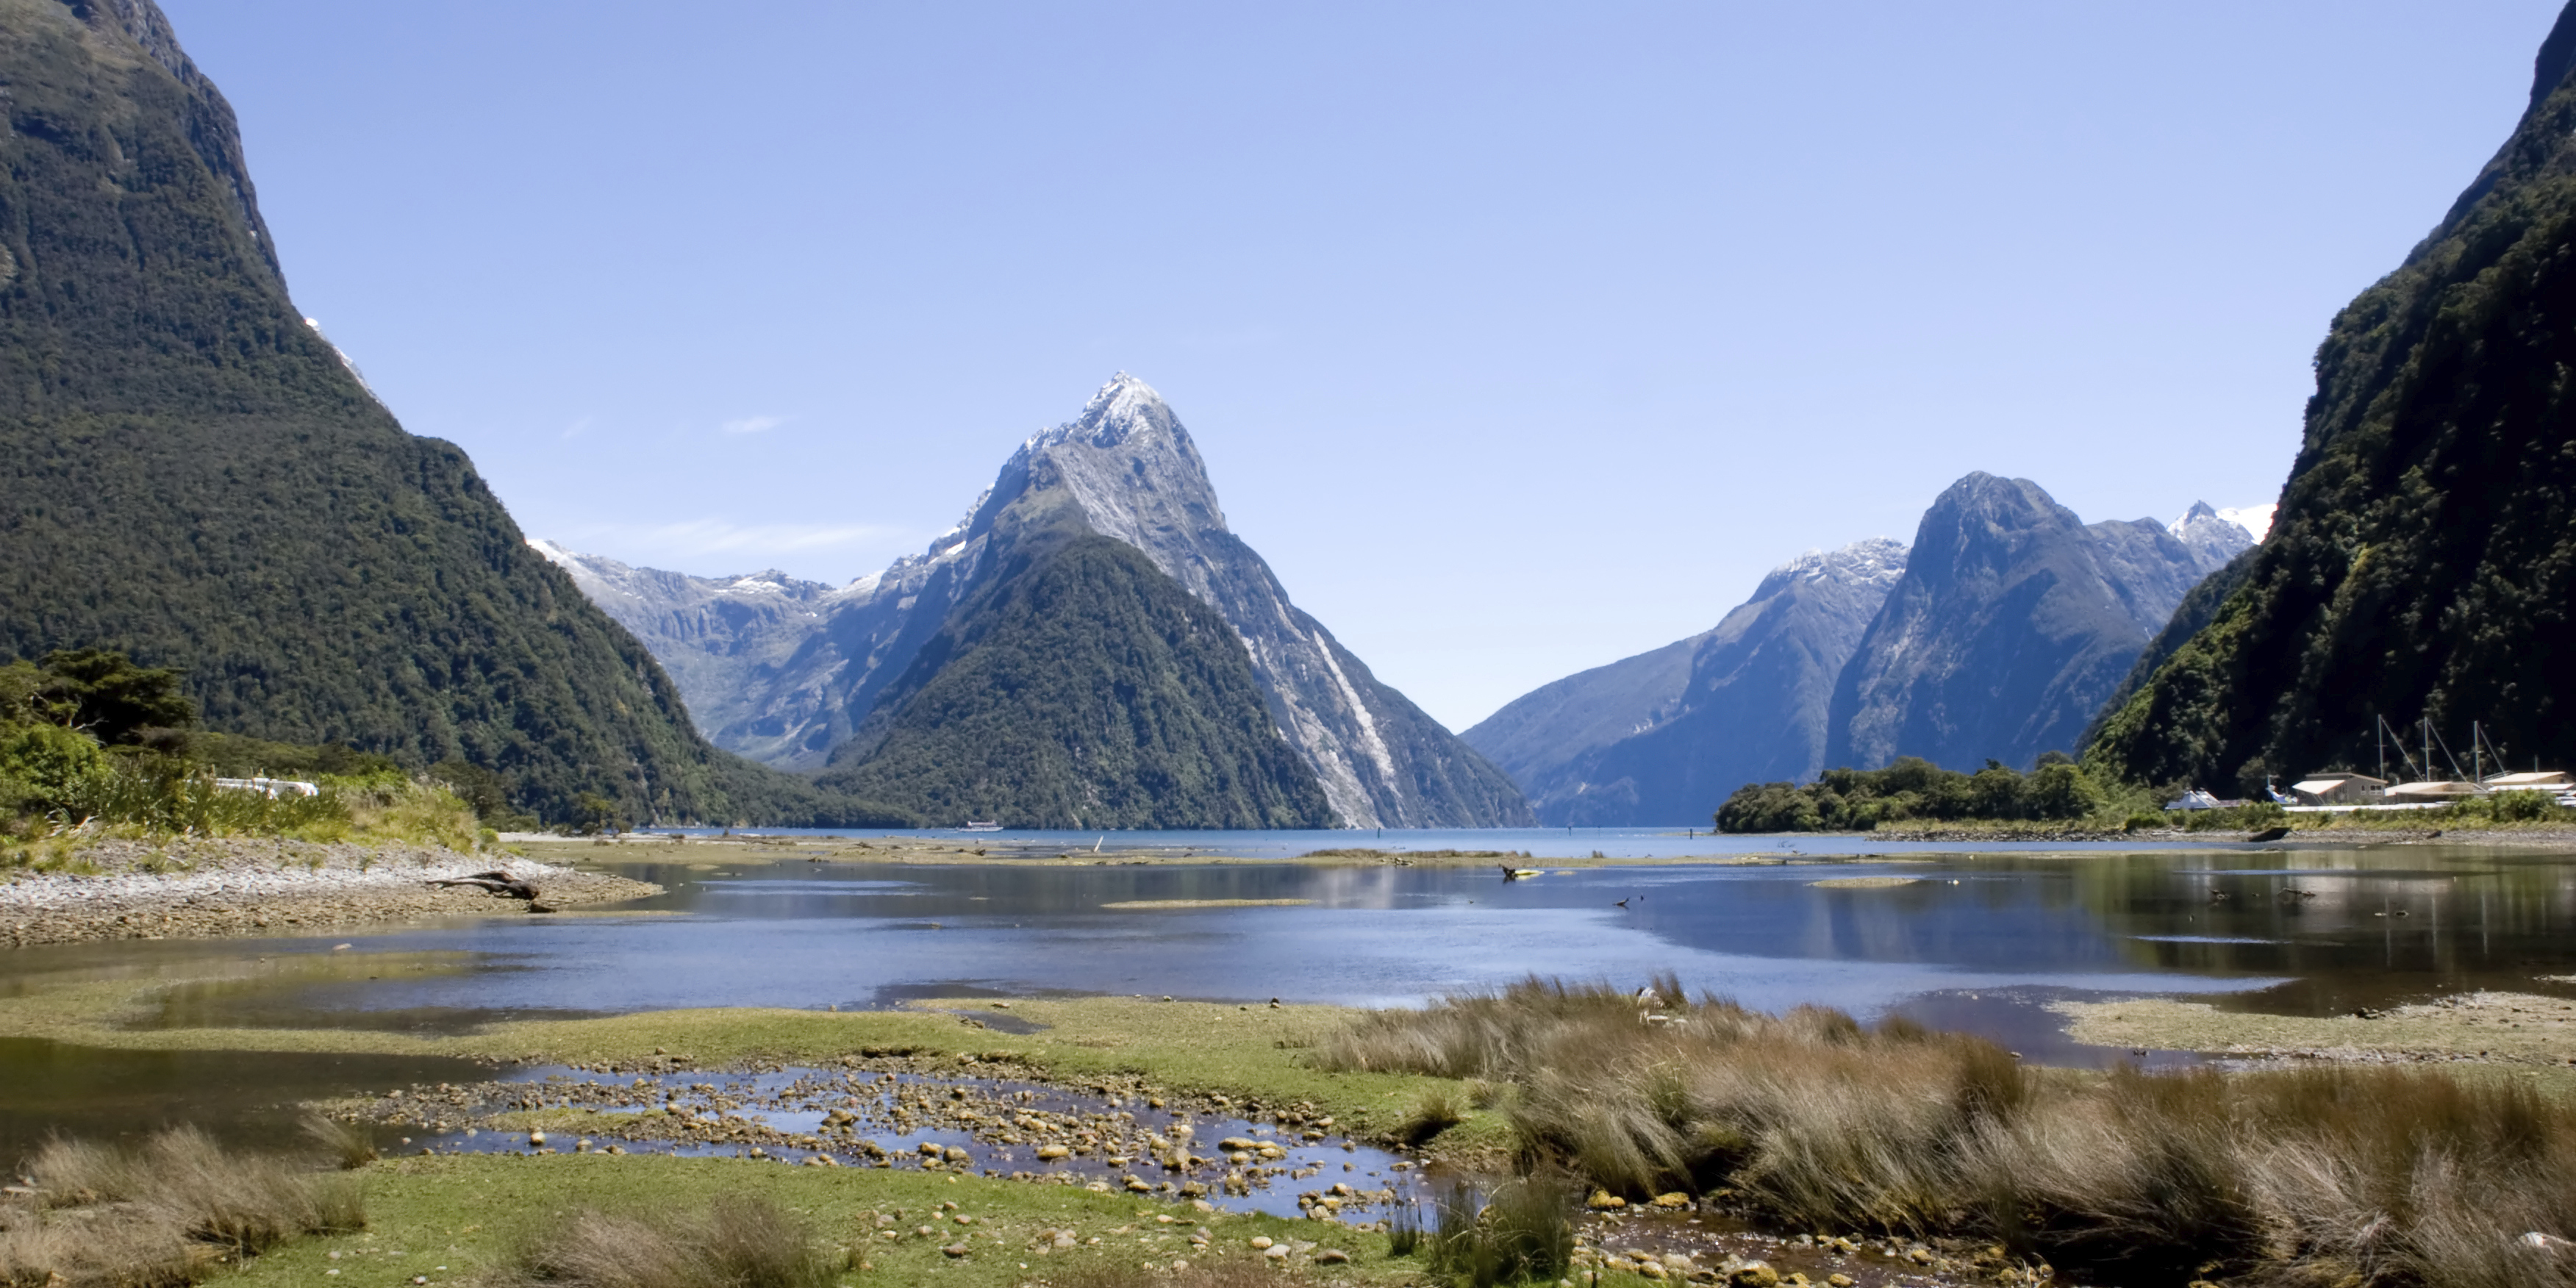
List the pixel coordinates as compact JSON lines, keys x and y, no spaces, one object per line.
{"x":1435,"y":1112}
{"x":351,"y":1145}
{"x":737,"y":1243}
{"x":2355,"y":1175}
{"x":1523,"y":1231}
{"x":164,"y":1214}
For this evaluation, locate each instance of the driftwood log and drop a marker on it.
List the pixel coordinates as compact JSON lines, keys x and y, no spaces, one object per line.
{"x":500,"y":883}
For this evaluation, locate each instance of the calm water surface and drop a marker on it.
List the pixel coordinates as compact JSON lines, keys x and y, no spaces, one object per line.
{"x":1978,"y":940}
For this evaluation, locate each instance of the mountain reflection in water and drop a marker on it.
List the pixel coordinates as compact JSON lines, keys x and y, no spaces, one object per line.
{"x":1974,"y":941}
{"x":2315,"y":931}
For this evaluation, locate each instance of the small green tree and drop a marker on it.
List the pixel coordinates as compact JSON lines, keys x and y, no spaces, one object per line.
{"x":2064,"y":791}
{"x":1996,"y":792}
{"x":46,"y":766}
{"x":595,"y":814}
{"x":104,"y":692}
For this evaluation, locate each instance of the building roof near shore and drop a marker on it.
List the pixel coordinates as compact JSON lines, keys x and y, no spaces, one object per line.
{"x":2425,"y":790}
{"x":2320,"y":784}
{"x":2531,"y":782}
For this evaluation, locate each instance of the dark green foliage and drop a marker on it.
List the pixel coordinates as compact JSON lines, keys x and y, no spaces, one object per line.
{"x":594,"y":814}
{"x":1914,"y":789}
{"x":234,"y":756}
{"x":486,"y":793}
{"x":46,"y":767}
{"x":1083,"y":688}
{"x":2423,"y":562}
{"x":107,"y":695}
{"x":191,"y":476}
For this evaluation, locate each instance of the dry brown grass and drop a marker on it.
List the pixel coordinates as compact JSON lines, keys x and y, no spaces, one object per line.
{"x":738,"y":1243}
{"x":350,"y":1144}
{"x":166,"y":1213}
{"x":2350,"y":1175}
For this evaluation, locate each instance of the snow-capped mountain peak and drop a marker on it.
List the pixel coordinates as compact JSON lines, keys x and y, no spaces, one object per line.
{"x":2255,"y":519}
{"x":788,"y":678}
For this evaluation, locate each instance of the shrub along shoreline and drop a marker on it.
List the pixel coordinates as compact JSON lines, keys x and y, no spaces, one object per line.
{"x":1914,"y":799}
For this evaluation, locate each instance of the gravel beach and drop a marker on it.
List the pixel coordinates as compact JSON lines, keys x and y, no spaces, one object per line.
{"x":188,"y":889}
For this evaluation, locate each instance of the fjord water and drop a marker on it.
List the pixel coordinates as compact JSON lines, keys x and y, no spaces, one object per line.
{"x":1980,"y":939}
{"x":800,"y":933}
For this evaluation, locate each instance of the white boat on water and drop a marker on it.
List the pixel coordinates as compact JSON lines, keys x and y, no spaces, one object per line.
{"x":973,"y":825}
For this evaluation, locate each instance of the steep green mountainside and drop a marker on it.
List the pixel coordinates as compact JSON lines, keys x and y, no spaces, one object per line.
{"x":1083,"y":688}
{"x":2423,"y":560}
{"x":190,"y":474}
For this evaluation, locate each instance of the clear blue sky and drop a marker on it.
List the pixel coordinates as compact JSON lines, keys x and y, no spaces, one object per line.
{"x":1519,"y":338}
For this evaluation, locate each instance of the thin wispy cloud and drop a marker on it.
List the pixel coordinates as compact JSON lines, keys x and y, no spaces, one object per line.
{"x":575,"y":429}
{"x":752,"y":424}
{"x":717,"y":535}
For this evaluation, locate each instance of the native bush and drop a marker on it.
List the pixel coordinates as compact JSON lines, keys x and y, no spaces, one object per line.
{"x":1912,"y":790}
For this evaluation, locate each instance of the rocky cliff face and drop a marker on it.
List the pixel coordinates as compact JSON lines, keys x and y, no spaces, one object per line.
{"x":2013,"y":623}
{"x":2423,"y":559}
{"x":1124,"y":469}
{"x":1662,"y":737}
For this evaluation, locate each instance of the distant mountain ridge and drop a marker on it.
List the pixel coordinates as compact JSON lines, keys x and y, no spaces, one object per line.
{"x":799,"y":690}
{"x":2014,"y":622}
{"x":1997,"y":634}
{"x":1662,"y":736}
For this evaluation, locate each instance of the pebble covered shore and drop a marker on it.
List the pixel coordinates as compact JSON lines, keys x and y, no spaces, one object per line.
{"x":202,"y":888}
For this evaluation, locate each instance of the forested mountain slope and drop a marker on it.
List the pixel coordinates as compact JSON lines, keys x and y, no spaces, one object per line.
{"x":2422,"y":562}
{"x":191,"y":474}
{"x":1081,"y":687}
